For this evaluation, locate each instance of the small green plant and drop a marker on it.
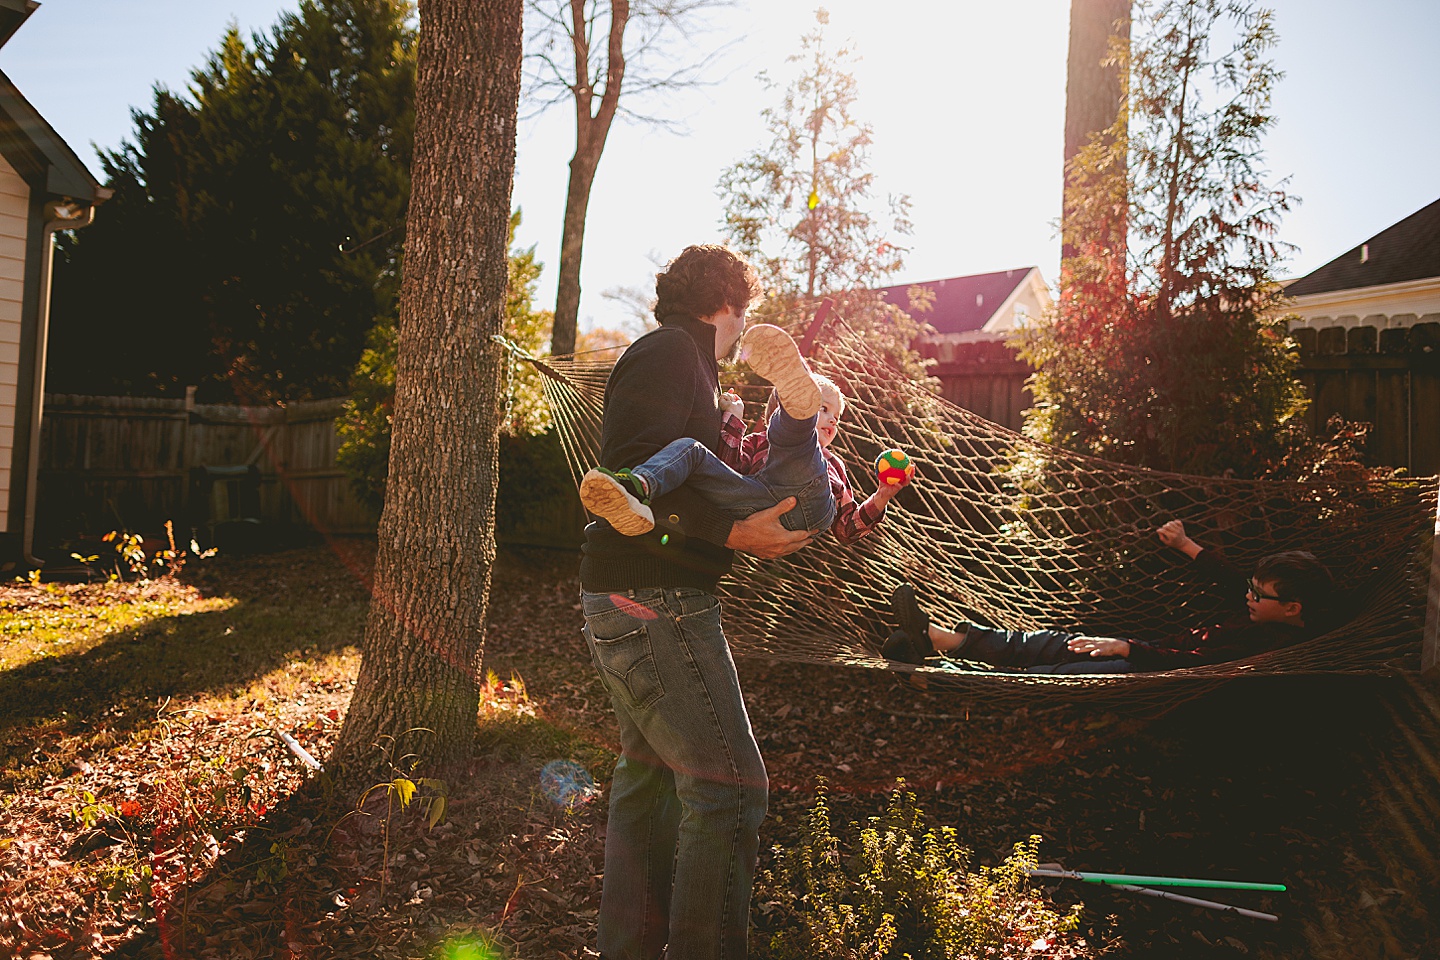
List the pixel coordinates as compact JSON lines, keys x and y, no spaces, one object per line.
{"x":902,"y":890}
{"x":130,"y":556}
{"x":128,"y":872}
{"x":404,"y":789}
{"x":191,"y":815}
{"x":89,"y":811}
{"x":124,"y":877}
{"x":275,"y":867}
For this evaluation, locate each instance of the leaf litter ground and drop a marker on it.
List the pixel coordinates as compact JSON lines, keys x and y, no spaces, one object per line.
{"x":151,"y":810}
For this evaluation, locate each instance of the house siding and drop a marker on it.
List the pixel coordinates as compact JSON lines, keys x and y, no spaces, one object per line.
{"x":14,"y":219}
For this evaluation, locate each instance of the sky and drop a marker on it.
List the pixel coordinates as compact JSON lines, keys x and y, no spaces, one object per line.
{"x":966,"y":99}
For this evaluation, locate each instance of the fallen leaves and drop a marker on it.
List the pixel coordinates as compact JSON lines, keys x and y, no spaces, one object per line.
{"x":1106,"y":791}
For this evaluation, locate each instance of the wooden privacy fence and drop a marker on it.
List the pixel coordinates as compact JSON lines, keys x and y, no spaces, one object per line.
{"x":131,"y":463}
{"x":1389,"y":378}
{"x":985,"y":378}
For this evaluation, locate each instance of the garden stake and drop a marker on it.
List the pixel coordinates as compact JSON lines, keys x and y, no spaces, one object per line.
{"x":1119,"y":879}
{"x":300,"y":752}
{"x":1195,"y":902}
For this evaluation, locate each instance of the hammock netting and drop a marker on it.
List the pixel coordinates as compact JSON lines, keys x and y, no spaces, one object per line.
{"x":1005,"y":531}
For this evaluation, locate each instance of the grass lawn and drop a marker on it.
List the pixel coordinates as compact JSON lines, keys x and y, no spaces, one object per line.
{"x":149,"y":808}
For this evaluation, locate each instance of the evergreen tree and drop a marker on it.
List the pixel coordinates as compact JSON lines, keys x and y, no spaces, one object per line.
{"x":257,"y":222}
{"x":1167,"y":349}
{"x":802,"y":206}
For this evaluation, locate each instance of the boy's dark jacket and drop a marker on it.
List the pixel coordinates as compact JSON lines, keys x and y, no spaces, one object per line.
{"x":1233,"y":639}
{"x":665,"y":386}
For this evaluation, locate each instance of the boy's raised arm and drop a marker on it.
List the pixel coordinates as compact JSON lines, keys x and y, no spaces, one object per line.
{"x":1173,"y":535}
{"x":1208,"y":564}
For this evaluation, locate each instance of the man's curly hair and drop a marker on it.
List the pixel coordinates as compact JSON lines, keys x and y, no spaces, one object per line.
{"x":703,"y":280}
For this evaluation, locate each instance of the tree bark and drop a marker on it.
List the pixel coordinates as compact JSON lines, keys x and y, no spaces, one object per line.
{"x":1092,"y":92}
{"x":425,"y":633}
{"x":592,"y":126}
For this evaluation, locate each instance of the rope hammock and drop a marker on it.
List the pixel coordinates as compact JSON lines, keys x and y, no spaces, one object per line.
{"x":1005,"y":531}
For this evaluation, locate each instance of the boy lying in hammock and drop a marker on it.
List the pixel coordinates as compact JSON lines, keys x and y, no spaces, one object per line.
{"x":1285,"y":600}
{"x":790,"y":457}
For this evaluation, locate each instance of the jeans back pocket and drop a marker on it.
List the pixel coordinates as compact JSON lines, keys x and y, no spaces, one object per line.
{"x":628,"y":666}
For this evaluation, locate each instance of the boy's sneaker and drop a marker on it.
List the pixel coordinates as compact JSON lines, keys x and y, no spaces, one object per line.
{"x":899,"y":647}
{"x":774,"y":356}
{"x":619,"y":498}
{"x":912,"y":619}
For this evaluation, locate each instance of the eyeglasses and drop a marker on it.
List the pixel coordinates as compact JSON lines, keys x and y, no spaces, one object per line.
{"x":1255,"y":593}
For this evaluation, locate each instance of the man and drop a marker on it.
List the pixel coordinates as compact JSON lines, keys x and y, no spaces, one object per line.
{"x":690,"y":788}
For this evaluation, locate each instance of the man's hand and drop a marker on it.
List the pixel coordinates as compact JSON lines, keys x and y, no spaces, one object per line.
{"x":731,"y":403}
{"x":1100,"y":646}
{"x":762,"y":535}
{"x":1172,"y":534}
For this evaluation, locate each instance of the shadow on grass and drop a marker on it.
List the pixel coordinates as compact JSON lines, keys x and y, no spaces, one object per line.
{"x":286,"y":612}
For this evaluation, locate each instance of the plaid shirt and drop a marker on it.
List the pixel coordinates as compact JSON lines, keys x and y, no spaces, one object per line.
{"x":746,"y":453}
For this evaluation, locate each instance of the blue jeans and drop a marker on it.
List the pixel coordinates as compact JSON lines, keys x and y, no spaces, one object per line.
{"x":794,"y":467}
{"x":690,"y":788}
{"x":1037,"y":651}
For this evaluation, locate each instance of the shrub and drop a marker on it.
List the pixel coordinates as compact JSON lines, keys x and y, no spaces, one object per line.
{"x":535,"y":487}
{"x":904,"y":891}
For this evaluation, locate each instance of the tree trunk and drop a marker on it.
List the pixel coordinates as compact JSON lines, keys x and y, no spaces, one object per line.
{"x":591,"y":129}
{"x":1092,"y":91}
{"x":418,"y":691}
{"x":572,"y":243}
{"x":1165,"y":297}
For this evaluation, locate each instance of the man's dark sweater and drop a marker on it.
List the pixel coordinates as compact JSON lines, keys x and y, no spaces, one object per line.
{"x":1234,"y":639}
{"x":665,"y":386}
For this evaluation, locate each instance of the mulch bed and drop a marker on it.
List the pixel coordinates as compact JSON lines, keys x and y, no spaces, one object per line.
{"x":1327,"y":785}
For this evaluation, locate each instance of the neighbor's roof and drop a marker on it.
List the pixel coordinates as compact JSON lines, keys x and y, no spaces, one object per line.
{"x":1409,"y":250}
{"x":961,"y":304}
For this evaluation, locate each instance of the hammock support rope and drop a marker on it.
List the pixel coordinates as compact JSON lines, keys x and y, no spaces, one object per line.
{"x":1002,"y":530}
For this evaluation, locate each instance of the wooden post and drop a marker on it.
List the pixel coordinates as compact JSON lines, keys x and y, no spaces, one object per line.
{"x":186,"y":460}
{"x":1430,"y":640}
{"x":812,"y":332}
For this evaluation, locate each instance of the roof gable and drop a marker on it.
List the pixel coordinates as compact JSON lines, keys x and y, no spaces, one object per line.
{"x":38,"y":153}
{"x":961,"y":304}
{"x":1408,"y":250}
{"x":12,"y":14}
{"x":27,"y":141}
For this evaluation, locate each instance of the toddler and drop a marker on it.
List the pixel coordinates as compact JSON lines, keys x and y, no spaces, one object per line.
{"x":789,"y":457}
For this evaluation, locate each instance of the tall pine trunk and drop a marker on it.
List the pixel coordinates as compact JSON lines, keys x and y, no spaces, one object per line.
{"x":418,"y":690}
{"x":1093,"y":91}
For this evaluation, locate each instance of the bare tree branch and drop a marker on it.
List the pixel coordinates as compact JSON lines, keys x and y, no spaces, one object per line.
{"x":648,"y":53}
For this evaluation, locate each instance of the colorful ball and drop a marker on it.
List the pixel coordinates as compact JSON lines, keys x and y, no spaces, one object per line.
{"x":894,"y":468}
